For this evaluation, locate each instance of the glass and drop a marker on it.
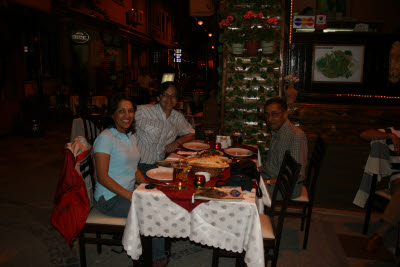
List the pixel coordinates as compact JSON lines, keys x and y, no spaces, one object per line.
{"x":180,"y":175}
{"x":209,"y":136}
{"x":237,"y":139}
{"x":199,"y":180}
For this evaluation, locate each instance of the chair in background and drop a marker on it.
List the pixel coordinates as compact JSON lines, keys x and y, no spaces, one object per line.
{"x":271,"y":230}
{"x":93,"y":124}
{"x":101,"y":227}
{"x":305,"y":201}
{"x":378,"y":199}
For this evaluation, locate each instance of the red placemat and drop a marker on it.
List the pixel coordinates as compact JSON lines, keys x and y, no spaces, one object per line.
{"x":184,"y":197}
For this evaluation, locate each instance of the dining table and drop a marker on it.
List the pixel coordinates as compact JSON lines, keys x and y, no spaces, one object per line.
{"x":224,"y":224}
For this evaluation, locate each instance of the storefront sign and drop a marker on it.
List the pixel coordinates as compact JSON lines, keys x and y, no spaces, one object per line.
{"x":80,"y":37}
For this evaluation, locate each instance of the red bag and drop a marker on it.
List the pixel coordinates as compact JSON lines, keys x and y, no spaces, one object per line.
{"x":71,"y":202}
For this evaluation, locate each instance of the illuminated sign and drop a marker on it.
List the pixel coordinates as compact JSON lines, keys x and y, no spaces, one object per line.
{"x":178,"y":55}
{"x":303,"y":22}
{"x":80,"y":37}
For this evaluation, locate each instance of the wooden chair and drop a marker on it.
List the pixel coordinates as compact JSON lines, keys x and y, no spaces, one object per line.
{"x":305,"y":201}
{"x":93,"y":124}
{"x":284,"y":186}
{"x":97,"y":223}
{"x":378,"y":199}
{"x":271,"y":231}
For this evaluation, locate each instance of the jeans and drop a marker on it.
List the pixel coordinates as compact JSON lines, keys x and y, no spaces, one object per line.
{"x":157,"y":243}
{"x":116,"y":206}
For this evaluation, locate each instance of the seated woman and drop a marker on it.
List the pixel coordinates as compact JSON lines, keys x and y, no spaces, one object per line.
{"x":116,"y":160}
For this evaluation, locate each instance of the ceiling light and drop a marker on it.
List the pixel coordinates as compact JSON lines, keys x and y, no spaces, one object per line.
{"x":210,"y":34}
{"x":200,"y":22}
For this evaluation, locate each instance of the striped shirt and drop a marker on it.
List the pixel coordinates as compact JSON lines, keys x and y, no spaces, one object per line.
{"x":154,"y":131}
{"x":288,"y":137}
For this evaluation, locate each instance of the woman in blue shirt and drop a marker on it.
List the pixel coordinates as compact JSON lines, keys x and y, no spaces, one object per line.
{"x":116,"y":159}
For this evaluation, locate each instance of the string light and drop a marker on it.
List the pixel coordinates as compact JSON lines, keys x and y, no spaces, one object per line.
{"x":370,"y":96}
{"x":291,"y":22}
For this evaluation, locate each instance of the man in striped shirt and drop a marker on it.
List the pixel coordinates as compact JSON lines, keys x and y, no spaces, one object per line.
{"x":285,"y":136}
{"x":159,"y":131}
{"x":159,"y":128}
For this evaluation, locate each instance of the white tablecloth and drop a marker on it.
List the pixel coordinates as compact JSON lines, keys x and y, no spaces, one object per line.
{"x":233,"y":226}
{"x":79,"y":130}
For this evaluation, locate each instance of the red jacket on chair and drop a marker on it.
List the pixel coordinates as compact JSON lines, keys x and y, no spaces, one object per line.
{"x":71,"y":202}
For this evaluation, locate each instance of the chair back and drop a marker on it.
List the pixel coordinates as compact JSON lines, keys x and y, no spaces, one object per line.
{"x":287,"y":177}
{"x":93,"y":124}
{"x":87,"y":171}
{"x":314,"y":167}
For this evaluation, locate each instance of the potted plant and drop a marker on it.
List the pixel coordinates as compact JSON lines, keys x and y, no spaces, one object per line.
{"x":290,"y":92}
{"x":232,"y":34}
{"x":268,"y":35}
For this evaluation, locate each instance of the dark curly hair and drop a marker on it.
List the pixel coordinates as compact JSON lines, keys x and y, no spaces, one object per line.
{"x":113,"y":102}
{"x":164,"y":86}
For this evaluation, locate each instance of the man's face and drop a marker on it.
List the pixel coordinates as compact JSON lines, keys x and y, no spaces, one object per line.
{"x":275,"y":117}
{"x":168,"y":99}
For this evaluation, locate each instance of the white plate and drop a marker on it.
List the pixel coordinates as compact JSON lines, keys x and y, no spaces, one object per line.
{"x":161,"y":174}
{"x":238,"y":152}
{"x":196,"y":146}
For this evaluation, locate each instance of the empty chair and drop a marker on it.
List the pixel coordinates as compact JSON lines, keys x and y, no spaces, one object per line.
{"x":93,"y":124}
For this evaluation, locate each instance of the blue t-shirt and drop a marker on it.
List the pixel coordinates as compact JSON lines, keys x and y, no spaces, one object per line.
{"x":124,"y":159}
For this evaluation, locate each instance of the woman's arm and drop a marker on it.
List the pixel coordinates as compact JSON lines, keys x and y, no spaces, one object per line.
{"x":139,"y":177}
{"x":102,"y":165}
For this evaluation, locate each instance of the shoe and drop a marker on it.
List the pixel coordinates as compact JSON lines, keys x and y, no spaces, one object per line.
{"x":373,"y":243}
{"x":161,"y":262}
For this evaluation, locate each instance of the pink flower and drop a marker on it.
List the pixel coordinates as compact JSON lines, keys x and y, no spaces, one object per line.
{"x":272,"y":21}
{"x":260,"y":15}
{"x":229,"y":18}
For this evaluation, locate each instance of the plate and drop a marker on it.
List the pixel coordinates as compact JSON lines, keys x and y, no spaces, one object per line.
{"x":196,"y":146}
{"x":160,"y":174}
{"x":238,"y":152}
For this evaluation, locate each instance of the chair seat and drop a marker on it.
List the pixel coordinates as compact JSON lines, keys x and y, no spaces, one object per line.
{"x":266,"y":227}
{"x":303,"y":197}
{"x":97,"y":217}
{"x":384,"y":194}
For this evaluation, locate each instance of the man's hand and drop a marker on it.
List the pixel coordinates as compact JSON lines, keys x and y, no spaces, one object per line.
{"x":272,"y":181}
{"x":171,"y":147}
{"x":396,"y":143}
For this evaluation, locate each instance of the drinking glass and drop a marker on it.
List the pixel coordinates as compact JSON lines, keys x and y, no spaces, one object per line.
{"x":237,"y":139}
{"x":209,"y":136}
{"x":180,"y":175}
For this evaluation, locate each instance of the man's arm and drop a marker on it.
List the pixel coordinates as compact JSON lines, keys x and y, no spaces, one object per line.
{"x":373,"y":134}
{"x":181,"y":140}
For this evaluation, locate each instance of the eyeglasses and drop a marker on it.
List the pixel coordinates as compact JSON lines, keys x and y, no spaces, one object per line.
{"x":273,"y":114}
{"x":170,"y":96}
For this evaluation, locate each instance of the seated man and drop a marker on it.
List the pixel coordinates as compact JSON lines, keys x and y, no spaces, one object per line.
{"x":391,"y":215}
{"x":285,"y":136}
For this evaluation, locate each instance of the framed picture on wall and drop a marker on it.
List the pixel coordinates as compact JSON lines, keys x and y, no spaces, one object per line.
{"x":338,"y":63}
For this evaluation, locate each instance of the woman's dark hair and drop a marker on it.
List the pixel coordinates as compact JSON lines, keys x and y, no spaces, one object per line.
{"x":164,"y":86}
{"x":113,"y":102}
